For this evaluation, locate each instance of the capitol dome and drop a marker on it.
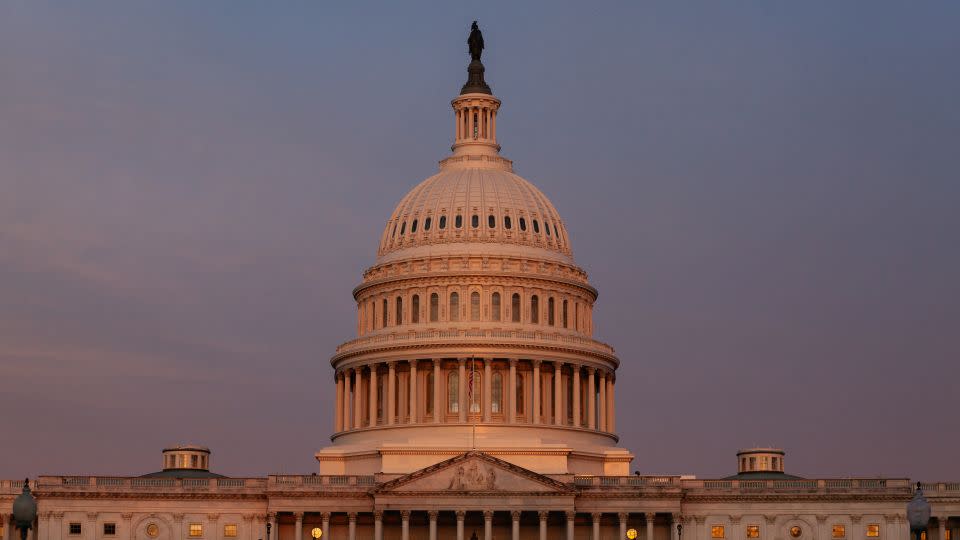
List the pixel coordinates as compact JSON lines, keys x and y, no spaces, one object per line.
{"x":474,"y":327}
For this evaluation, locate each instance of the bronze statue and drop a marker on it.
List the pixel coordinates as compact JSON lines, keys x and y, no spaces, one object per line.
{"x":475,"y":42}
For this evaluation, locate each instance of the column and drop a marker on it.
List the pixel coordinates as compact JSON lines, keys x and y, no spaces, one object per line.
{"x":487,"y":388}
{"x":571,"y":521}
{"x":271,"y":524}
{"x":596,"y":525}
{"x":438,"y":407}
{"x":675,"y":520}
{"x":941,"y":522}
{"x":515,"y":521}
{"x":460,"y":516}
{"x":536,"y":392}
{"x":338,"y":416}
{"x":603,"y":401}
{"x":612,"y":407}
{"x":623,"y":517}
{"x":543,"y":524}
{"x":413,"y":392}
{"x":493,"y":125}
{"x":352,"y":527}
{"x":557,"y":392}
{"x":512,"y":382}
{"x":4,"y":526}
{"x":325,"y":523}
{"x":433,"y":522}
{"x":377,"y":525}
{"x":649,"y":516}
{"x":592,"y":401}
{"x":576,"y":395}
{"x":404,"y":525}
{"x":488,"y":525}
{"x":357,"y":398}
{"x":298,"y":526}
{"x":391,"y":392}
{"x":346,"y":400}
{"x":373,"y":395}
{"x":462,"y":388}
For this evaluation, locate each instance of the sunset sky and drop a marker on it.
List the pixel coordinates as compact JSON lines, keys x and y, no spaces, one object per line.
{"x":766,"y":195}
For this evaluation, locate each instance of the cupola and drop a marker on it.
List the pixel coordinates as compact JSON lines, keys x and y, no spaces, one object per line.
{"x":190,"y":457}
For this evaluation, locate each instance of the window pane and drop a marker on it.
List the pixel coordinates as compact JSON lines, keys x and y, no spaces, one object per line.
{"x":415,"y":309}
{"x":753,"y":531}
{"x":434,"y":307}
{"x":839,"y":531}
{"x":109,"y":529}
{"x":873,"y":531}
{"x":453,"y":392}
{"x":536,"y":227}
{"x":454,"y":307}
{"x":443,"y":222}
{"x":491,"y":222}
{"x":384,"y":313}
{"x":506,"y":223}
{"x":550,"y":316}
{"x":523,"y":224}
{"x":413,"y":226}
{"x":515,"y":307}
{"x":426,"y":224}
{"x":230,"y":530}
{"x":75,"y":528}
{"x":497,"y":393}
{"x":534,"y":309}
{"x":399,"y":315}
{"x":475,"y":221}
{"x":474,"y":306}
{"x":716,"y":531}
{"x":196,"y":529}
{"x":520,"y":407}
{"x":458,"y":222}
{"x":564,"y":313}
{"x":495,"y":307}
{"x":430,"y":393}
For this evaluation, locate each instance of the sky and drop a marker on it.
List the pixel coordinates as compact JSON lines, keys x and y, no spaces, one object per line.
{"x":765,"y":194}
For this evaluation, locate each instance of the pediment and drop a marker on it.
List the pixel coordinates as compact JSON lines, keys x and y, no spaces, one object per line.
{"x":474,"y":473}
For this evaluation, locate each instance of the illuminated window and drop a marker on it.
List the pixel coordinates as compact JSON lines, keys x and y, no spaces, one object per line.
{"x":948,"y":534}
{"x":515,"y":308}
{"x":75,"y":528}
{"x":753,"y":464}
{"x":923,"y":535}
{"x":495,"y":307}
{"x":753,"y":531}
{"x":415,"y":309}
{"x":873,"y":531}
{"x":795,"y":531}
{"x":109,"y":529}
{"x":434,"y":307}
{"x":474,"y":306}
{"x":716,"y":531}
{"x":534,"y":309}
{"x":839,"y":531}
{"x":230,"y":530}
{"x":196,"y":530}
{"x":776,"y":463}
{"x":453,"y":392}
{"x":497,"y":391}
{"x":454,"y":307}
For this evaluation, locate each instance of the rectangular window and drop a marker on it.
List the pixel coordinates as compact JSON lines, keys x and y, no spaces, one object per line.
{"x":230,"y":530}
{"x":716,"y":531}
{"x":196,"y":530}
{"x":873,"y":531}
{"x":839,"y":531}
{"x":109,"y":529}
{"x":75,"y":528}
{"x":753,"y":531}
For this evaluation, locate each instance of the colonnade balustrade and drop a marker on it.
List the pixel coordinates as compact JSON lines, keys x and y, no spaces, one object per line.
{"x":462,"y":524}
{"x":470,"y":390}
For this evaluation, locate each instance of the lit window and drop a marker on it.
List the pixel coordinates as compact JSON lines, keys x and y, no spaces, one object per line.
{"x":839,"y":531}
{"x":153,"y":530}
{"x":434,"y":307}
{"x":515,"y":308}
{"x":873,"y":531}
{"x":453,"y":392}
{"x":426,"y":224}
{"x":454,"y":307}
{"x":230,"y":530}
{"x":536,"y":227}
{"x":415,"y":309}
{"x":753,"y":531}
{"x":716,"y":531}
{"x":413,"y":226}
{"x":948,"y":534}
{"x":109,"y":529}
{"x":523,"y":224}
{"x":923,"y":535}
{"x":443,"y":222}
{"x":196,"y":529}
{"x":753,"y":464}
{"x":534,"y":309}
{"x":75,"y":528}
{"x":506,"y":223}
{"x":497,"y":391}
{"x":475,"y":221}
{"x":795,"y":531}
{"x":458,"y":221}
{"x":474,"y":306}
{"x":495,"y":307}
{"x":193,"y":461}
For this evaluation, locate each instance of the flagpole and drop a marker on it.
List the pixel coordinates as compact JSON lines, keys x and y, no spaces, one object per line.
{"x":473,"y":380}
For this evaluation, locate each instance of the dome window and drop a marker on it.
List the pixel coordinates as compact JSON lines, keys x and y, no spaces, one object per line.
{"x":495,"y":307}
{"x":443,"y":222}
{"x":523,"y":224}
{"x":475,"y":221}
{"x":403,"y":227}
{"x":434,"y":307}
{"x":454,"y":307}
{"x":536,"y":227}
{"x":506,"y":222}
{"x":458,"y":221}
{"x":535,"y":309}
{"x":474,"y":306}
{"x":546,"y":227}
{"x":550,"y":309}
{"x":492,"y":222}
{"x":415,"y":306}
{"x":413,"y":227}
{"x":556,"y":232}
{"x":426,"y":224}
{"x":515,"y":308}
{"x":394,"y":233}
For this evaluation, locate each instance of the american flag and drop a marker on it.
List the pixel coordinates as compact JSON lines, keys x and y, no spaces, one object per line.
{"x":470,"y":385}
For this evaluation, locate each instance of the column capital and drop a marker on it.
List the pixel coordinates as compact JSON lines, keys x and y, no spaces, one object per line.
{"x":437,"y":362}
{"x":296,"y":515}
{"x":855,"y":518}
{"x":623,"y":517}
{"x":513,"y":361}
{"x":487,"y":515}
{"x":405,"y":515}
{"x":461,"y":515}
{"x":433,"y":514}
{"x":676,"y":517}
{"x":377,"y":515}
{"x":215,"y":517}
{"x":515,"y":515}
{"x":536,"y":363}
{"x":596,"y":516}
{"x":543,"y":515}
{"x":570,"y":515}
{"x":325,"y":516}
{"x":352,"y":516}
{"x":392,"y":364}
{"x":462,"y":361}
{"x":413,"y":362}
{"x":558,"y":363}
{"x":650,"y":515}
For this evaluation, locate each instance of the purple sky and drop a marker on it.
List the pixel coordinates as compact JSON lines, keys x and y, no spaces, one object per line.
{"x":766,"y":196}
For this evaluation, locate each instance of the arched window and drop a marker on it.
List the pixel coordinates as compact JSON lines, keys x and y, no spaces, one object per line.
{"x":475,"y":221}
{"x":496,"y":391}
{"x":534,"y":309}
{"x":576,"y":316}
{"x":430,"y":392}
{"x":474,"y":306}
{"x":536,"y":227}
{"x":523,"y":224}
{"x":384,"y":313}
{"x":443,"y":222}
{"x":458,"y":221}
{"x":546,"y":227}
{"x":453,"y":392}
{"x":515,"y":308}
{"x":394,"y":233}
{"x":556,"y":232}
{"x":399,"y":318}
{"x":426,"y":224}
{"x":491,"y":221}
{"x":550,"y":316}
{"x":495,"y":307}
{"x":454,"y":307}
{"x":506,"y":222}
{"x":520,"y":407}
{"x":413,"y":226}
{"x":564,"y":313}
{"x":415,"y":309}
{"x":403,"y":227}
{"x":434,"y":307}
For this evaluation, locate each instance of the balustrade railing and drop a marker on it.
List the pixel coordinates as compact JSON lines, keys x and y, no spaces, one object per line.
{"x":473,"y":333}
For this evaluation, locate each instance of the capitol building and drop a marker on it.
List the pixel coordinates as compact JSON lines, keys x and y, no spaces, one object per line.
{"x":475,"y":402}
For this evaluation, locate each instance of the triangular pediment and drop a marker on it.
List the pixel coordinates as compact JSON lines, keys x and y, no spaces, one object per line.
{"x":474,"y":473}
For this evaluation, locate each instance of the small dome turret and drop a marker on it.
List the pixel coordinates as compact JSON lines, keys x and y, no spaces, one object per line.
{"x":189,"y":456}
{"x":752,"y":460}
